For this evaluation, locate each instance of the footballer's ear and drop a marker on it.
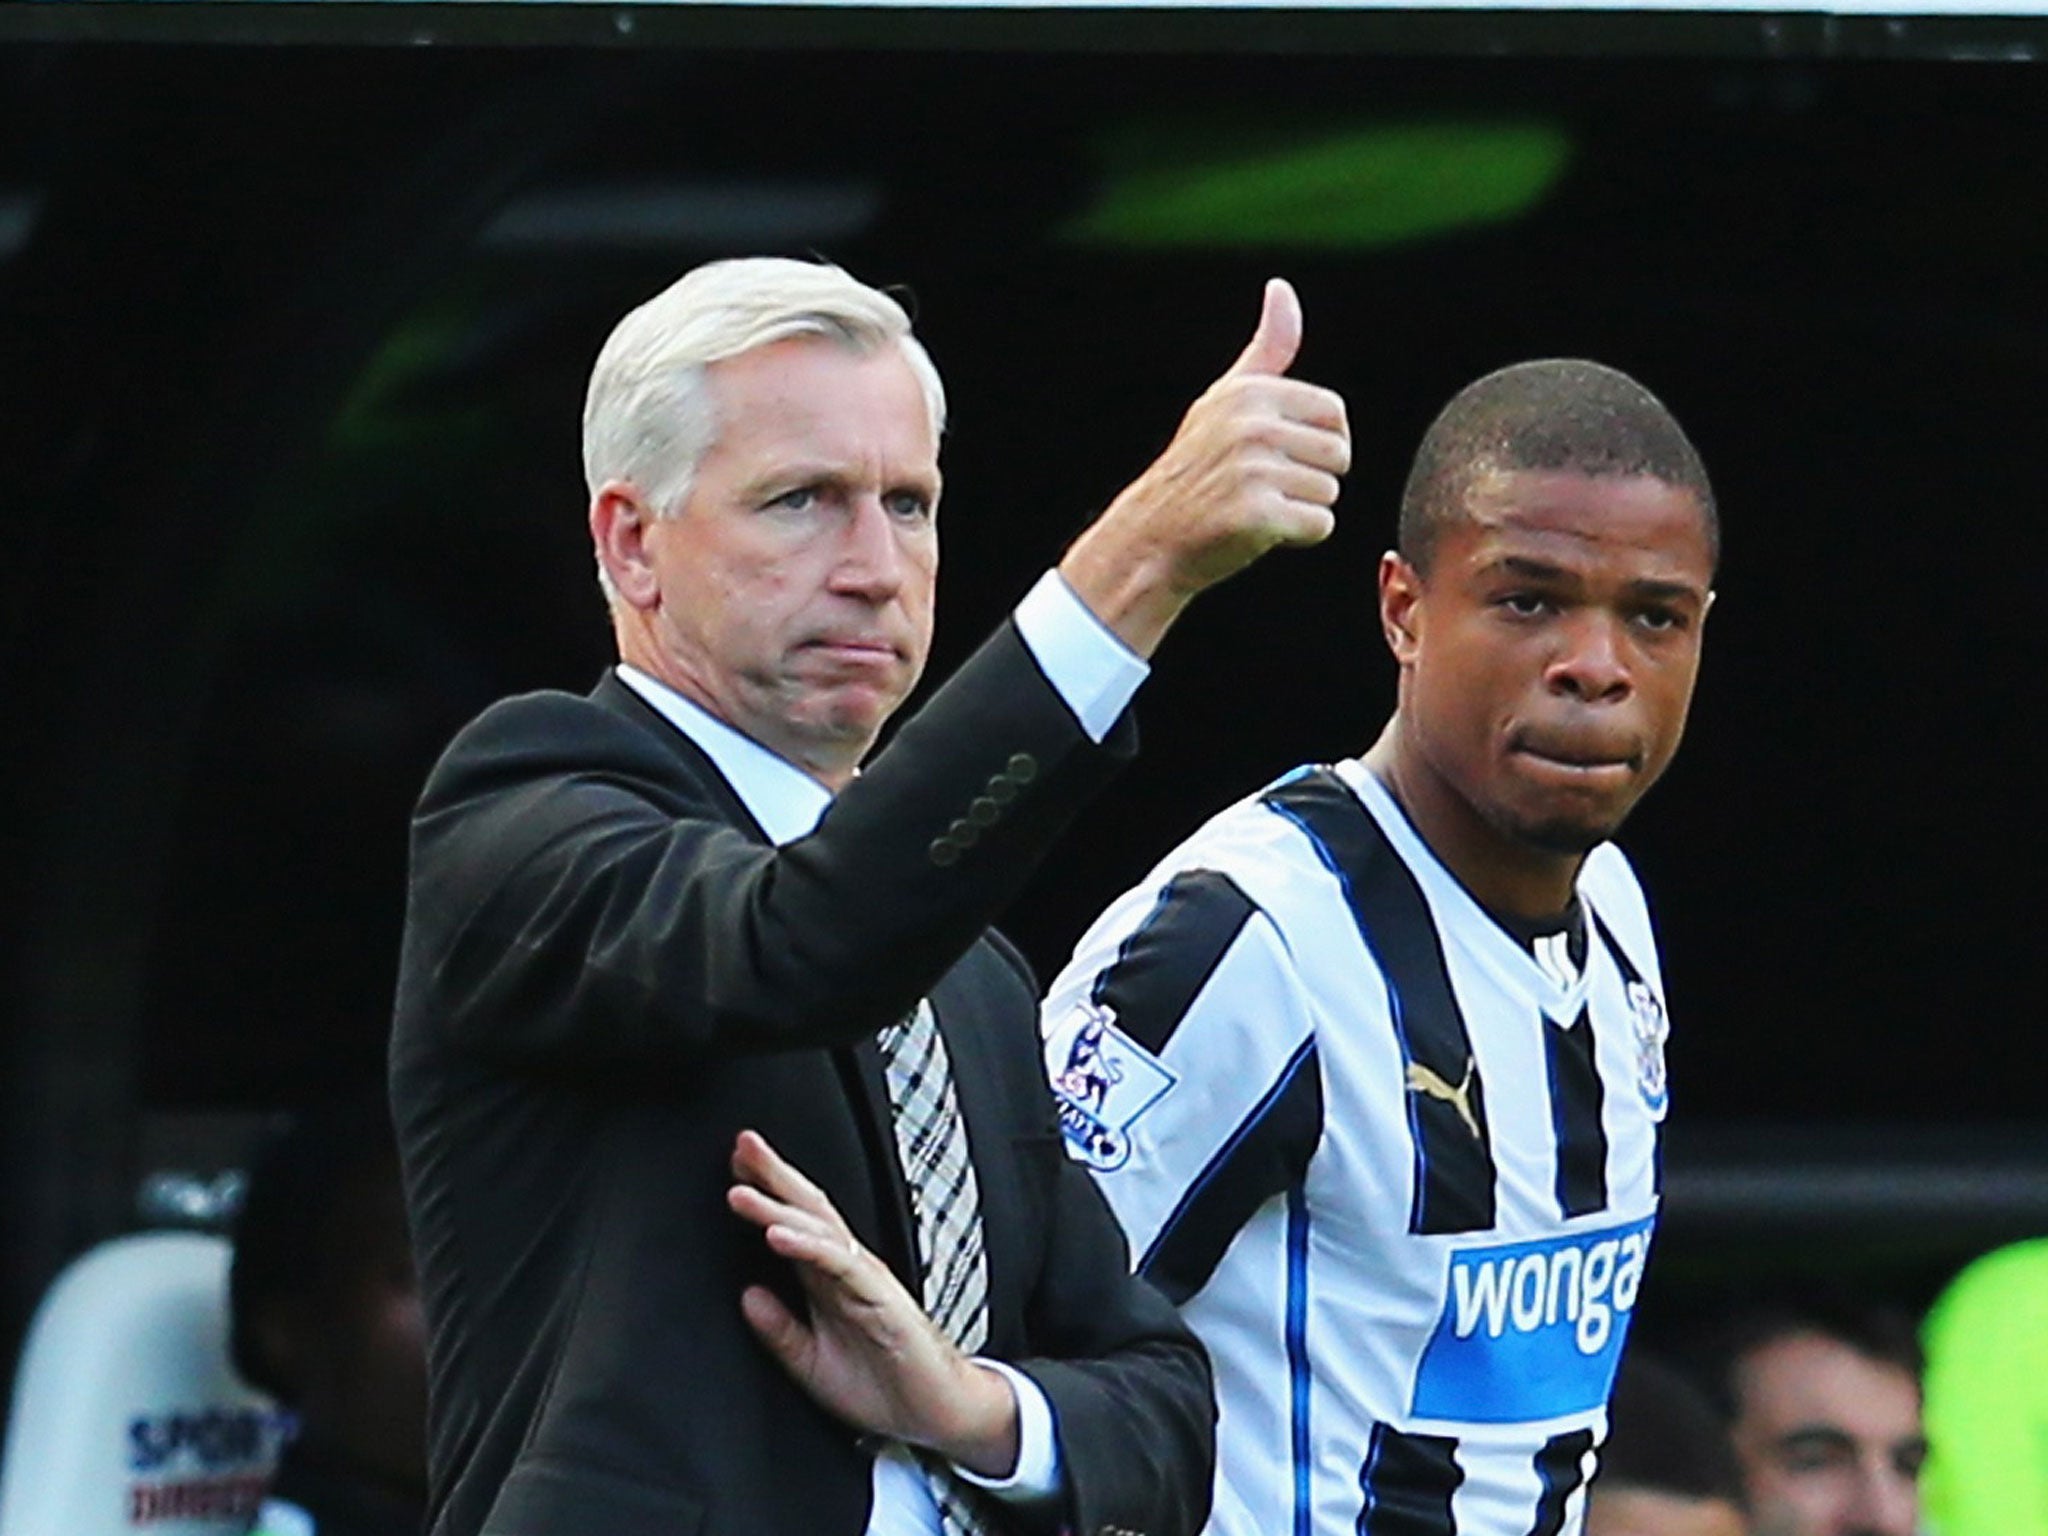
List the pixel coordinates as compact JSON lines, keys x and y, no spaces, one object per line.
{"x":619,"y":523}
{"x":1400,"y":606}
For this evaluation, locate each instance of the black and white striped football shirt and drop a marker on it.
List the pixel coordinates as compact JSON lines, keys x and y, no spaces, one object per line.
{"x":1400,"y":1175}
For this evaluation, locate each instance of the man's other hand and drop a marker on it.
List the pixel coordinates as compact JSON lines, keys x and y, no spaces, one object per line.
{"x":867,"y":1353}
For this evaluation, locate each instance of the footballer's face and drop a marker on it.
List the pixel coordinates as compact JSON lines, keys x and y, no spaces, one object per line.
{"x":1547,"y":656}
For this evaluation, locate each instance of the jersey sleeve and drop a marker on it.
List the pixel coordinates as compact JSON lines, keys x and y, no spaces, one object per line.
{"x":1181,"y":1049}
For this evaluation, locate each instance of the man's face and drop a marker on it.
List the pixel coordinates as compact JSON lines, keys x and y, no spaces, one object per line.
{"x":795,"y":584}
{"x":1830,"y":1440}
{"x":1549,"y":653}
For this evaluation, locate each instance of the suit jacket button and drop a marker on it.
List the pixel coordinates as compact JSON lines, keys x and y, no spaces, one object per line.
{"x":943,"y":852}
{"x":1023,"y":768}
{"x":963,"y":832}
{"x":984,"y":812}
{"x":1002,"y":789}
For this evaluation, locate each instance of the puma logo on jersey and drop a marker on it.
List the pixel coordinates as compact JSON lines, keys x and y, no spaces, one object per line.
{"x":1423,"y":1080}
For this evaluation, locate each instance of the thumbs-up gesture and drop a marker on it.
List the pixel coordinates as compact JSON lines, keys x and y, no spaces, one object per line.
{"x":1255,"y":463}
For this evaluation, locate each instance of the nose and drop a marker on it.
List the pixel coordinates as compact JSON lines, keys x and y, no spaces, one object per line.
{"x":871,"y":555}
{"x":1886,"y":1503}
{"x":1591,"y":664}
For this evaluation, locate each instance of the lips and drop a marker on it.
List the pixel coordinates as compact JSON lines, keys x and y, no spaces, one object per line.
{"x":1577,"y":753}
{"x":869,"y":650}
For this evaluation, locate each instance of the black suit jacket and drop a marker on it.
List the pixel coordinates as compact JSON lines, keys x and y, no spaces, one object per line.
{"x":607,"y":972}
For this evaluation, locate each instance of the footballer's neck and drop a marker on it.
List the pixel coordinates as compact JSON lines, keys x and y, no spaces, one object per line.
{"x":1503,"y":873}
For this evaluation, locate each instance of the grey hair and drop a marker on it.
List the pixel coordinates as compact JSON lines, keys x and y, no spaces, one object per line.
{"x":648,"y":419}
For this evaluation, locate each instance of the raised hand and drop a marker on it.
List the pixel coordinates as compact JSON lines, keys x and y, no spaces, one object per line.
{"x":867,"y":1353}
{"x":1255,"y":464}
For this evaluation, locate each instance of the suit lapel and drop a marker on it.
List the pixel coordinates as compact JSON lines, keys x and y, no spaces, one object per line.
{"x":868,"y":1092}
{"x":615,"y":696}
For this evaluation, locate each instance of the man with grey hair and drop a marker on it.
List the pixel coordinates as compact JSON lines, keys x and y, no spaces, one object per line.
{"x":664,"y":949}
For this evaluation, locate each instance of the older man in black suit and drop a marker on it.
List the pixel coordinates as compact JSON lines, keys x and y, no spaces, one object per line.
{"x":662,"y":938}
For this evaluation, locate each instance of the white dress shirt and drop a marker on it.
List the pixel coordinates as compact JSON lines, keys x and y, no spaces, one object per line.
{"x":1096,"y":675}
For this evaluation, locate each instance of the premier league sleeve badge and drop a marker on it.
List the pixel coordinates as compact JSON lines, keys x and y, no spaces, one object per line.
{"x":1102,"y":1081}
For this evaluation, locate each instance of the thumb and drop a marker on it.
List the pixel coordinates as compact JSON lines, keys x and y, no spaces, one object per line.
{"x":1278,"y":338}
{"x":773,"y":1323}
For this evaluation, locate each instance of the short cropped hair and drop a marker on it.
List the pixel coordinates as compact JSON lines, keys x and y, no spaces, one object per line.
{"x":647,"y":418}
{"x":1664,"y":1436}
{"x":1555,"y":413}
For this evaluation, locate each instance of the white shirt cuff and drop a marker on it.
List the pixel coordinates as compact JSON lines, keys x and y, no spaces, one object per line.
{"x":1096,"y":673}
{"x":1037,"y":1473}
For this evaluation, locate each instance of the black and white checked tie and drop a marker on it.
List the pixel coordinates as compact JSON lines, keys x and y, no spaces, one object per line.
{"x":931,"y":1142}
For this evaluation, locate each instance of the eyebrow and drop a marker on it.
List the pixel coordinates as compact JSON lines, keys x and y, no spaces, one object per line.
{"x":1652,"y":590}
{"x":1646,"y":589}
{"x":1816,"y":1437}
{"x":807,"y":472}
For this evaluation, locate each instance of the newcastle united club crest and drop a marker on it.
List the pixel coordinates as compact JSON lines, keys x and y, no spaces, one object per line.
{"x":1647,"y":1015}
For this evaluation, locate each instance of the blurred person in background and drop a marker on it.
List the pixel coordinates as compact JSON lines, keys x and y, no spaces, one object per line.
{"x":325,"y":1317}
{"x":1667,"y":1467}
{"x":1822,"y":1394}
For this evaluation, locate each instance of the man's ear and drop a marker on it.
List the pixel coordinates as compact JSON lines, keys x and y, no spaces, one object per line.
{"x":1400,"y":606}
{"x":619,"y":520}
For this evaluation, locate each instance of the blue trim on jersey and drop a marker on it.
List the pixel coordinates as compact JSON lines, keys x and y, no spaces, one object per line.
{"x":1408,"y":1483}
{"x":1303,"y":1054}
{"x":1455,"y":1178}
{"x":1278,"y":808}
{"x":1163,"y":964}
{"x":1561,"y":1465}
{"x":1368,"y":1478}
{"x":1409,"y":1105}
{"x":1123,"y":950}
{"x":1297,"y":1352}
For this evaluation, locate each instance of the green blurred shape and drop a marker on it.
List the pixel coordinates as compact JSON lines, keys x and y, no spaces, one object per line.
{"x":392,"y":402}
{"x":1345,"y":190}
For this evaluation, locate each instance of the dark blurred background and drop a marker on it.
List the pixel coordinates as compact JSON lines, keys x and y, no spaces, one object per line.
{"x":295,"y":312}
